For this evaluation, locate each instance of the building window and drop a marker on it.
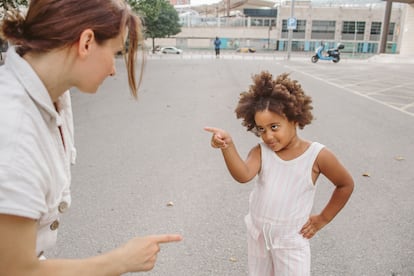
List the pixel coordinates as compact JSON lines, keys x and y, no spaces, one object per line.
{"x":372,"y":48}
{"x":297,"y":46}
{"x":257,"y":22}
{"x":376,"y":28}
{"x":375,"y":34}
{"x":260,"y":12}
{"x":375,"y":31}
{"x":270,"y":22}
{"x":391,"y":29}
{"x":262,"y":22}
{"x":353,"y":30}
{"x":298,"y":33}
{"x":323,"y":29}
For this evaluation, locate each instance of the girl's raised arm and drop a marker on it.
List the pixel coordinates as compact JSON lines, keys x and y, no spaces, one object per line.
{"x":242,"y":171}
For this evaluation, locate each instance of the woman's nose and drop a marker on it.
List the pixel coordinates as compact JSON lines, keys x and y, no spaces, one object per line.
{"x":113,"y":72}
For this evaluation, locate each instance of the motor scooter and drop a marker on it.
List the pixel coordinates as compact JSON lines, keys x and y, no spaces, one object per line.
{"x":332,"y":54}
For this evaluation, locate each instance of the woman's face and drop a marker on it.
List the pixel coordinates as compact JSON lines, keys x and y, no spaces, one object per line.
{"x":99,"y":64}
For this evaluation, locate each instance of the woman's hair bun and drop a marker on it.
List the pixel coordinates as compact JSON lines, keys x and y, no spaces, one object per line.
{"x":12,"y":26}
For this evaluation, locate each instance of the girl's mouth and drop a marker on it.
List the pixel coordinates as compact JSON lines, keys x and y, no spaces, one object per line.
{"x":271,"y":145}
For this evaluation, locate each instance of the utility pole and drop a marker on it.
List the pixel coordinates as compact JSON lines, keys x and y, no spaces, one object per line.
{"x":228,"y":8}
{"x":385,"y":27}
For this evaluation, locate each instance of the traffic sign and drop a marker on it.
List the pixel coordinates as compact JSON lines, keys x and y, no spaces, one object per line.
{"x":291,"y":23}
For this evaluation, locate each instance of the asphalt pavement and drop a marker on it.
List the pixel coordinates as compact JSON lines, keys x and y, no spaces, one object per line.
{"x":146,"y":166}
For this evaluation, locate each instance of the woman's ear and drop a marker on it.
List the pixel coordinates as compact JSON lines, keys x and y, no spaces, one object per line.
{"x":86,"y":39}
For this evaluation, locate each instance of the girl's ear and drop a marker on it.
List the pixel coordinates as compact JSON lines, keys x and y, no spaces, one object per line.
{"x":86,"y":39}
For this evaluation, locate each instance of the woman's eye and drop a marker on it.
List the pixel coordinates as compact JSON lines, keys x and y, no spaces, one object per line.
{"x":120,"y":52}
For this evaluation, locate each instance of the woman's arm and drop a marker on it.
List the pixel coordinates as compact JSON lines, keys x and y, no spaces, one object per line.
{"x":18,"y":247}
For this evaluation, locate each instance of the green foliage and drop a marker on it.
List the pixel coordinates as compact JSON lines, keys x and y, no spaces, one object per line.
{"x":12,"y":4}
{"x":159,"y":16}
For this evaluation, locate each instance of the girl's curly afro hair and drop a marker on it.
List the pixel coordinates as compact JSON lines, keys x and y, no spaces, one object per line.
{"x":281,"y":95}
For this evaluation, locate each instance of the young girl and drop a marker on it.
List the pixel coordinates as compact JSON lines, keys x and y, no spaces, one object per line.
{"x":287,"y":167}
{"x":56,"y":46}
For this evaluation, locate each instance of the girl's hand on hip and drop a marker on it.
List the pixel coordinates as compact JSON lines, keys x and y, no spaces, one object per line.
{"x":312,"y":226}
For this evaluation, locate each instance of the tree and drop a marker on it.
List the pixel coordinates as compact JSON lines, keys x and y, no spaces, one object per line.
{"x":160,"y":18}
{"x":6,"y":5}
{"x":12,"y":4}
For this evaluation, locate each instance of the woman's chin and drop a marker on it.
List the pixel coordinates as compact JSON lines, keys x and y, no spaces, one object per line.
{"x":89,"y":90}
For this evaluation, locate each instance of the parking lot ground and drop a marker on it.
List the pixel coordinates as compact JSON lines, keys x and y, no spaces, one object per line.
{"x":135,"y":158}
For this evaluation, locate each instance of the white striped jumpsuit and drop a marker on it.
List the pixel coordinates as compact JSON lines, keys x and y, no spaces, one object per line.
{"x":279,"y":205}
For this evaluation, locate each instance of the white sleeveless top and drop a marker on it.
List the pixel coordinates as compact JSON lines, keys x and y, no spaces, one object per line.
{"x":284,"y":191}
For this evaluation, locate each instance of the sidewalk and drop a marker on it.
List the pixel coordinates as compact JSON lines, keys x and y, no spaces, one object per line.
{"x":282,"y":56}
{"x":392,"y":58}
{"x":204,"y":54}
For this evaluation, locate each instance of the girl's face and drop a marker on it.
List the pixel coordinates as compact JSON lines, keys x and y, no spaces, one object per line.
{"x":100,"y":64}
{"x":276,"y":131}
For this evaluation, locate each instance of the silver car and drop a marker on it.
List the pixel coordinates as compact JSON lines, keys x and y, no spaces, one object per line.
{"x":171,"y":50}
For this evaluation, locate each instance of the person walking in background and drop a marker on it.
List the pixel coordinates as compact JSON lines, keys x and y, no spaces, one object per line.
{"x":56,"y":46}
{"x":217,"y":43}
{"x":279,"y":222}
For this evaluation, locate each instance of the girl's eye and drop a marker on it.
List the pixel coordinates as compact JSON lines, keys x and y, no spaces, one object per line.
{"x":260,"y":129}
{"x":274,"y":127}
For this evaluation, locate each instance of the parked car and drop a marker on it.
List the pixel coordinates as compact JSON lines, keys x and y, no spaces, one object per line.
{"x":246,"y":50}
{"x":171,"y":50}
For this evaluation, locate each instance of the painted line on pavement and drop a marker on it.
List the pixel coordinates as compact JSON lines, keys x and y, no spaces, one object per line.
{"x":351,"y":90}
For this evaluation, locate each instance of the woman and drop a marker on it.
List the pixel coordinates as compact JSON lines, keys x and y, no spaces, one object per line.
{"x":57,"y":45}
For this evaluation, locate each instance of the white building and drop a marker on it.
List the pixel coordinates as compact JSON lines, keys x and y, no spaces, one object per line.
{"x":263,"y":24}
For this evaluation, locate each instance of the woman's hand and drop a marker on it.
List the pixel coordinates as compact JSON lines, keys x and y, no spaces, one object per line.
{"x":140,"y":253}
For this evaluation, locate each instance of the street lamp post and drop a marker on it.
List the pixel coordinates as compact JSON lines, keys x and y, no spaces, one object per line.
{"x":290,"y":30}
{"x":355,"y":37}
{"x":268,"y":35}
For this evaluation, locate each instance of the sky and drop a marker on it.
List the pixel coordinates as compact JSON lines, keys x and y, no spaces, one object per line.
{"x":201,"y":2}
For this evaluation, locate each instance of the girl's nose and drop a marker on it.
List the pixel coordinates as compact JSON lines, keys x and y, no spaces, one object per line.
{"x":266,"y":136}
